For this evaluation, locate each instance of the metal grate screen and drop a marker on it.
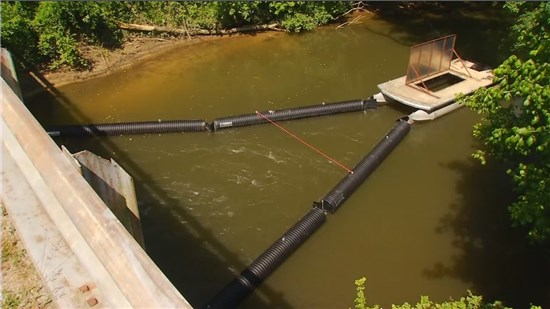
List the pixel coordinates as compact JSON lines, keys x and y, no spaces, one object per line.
{"x":430,"y":58}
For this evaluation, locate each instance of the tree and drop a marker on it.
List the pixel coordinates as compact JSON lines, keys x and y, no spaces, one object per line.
{"x":304,"y":15}
{"x":54,"y":33}
{"x":17,"y":33}
{"x":515,"y":127}
{"x":62,"y":26}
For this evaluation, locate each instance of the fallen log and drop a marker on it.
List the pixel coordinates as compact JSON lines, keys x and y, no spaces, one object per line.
{"x":194,"y":32}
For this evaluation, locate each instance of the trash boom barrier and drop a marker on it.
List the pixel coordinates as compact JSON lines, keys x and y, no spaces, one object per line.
{"x":269,"y":260}
{"x":293,"y":113}
{"x":126,"y":128}
{"x":345,"y":188}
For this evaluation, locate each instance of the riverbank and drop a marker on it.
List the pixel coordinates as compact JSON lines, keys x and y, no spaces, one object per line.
{"x":139,"y":48}
{"x":134,"y":51}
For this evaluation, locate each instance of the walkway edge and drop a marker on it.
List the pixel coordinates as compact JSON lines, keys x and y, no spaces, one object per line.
{"x":121,"y":273}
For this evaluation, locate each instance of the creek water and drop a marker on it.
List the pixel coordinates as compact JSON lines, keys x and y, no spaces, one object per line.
{"x":429,"y":221}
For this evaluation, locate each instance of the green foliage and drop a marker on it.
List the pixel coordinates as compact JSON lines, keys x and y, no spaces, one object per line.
{"x":169,"y":13}
{"x":516,"y":124}
{"x":54,"y":32}
{"x":91,"y":22}
{"x":468,"y":302}
{"x":17,"y":33}
{"x":530,"y":32}
{"x":199,"y":15}
{"x":300,"y":16}
{"x":360,"y":298}
{"x":63,"y":25}
{"x":294,"y":16}
{"x":238,"y":13}
{"x":62,"y":49}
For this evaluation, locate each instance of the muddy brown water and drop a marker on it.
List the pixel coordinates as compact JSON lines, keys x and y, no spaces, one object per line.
{"x":429,"y":221}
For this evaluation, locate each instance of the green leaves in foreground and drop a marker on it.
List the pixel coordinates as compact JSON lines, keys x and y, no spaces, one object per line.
{"x":468,"y":302}
{"x":515,"y":127}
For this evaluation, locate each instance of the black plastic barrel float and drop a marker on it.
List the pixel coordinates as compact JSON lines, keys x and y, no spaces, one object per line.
{"x":124,"y":128}
{"x":294,"y":113}
{"x":268,"y":261}
{"x":345,"y":188}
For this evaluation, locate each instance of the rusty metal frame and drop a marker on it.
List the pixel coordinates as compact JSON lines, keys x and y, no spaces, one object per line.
{"x":462,"y":62}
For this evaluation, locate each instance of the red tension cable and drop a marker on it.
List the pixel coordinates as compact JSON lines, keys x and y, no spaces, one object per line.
{"x":305,"y":143}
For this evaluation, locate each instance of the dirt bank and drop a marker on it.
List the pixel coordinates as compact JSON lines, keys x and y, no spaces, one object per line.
{"x":132,"y":52}
{"x":138,"y":48}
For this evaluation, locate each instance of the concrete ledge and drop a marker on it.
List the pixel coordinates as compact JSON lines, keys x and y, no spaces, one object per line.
{"x":84,"y":254}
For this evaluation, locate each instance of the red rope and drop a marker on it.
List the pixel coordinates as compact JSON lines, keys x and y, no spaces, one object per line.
{"x":305,"y":143}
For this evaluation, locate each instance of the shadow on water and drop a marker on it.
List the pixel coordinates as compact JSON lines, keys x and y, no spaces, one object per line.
{"x":494,"y":258}
{"x":169,"y":243}
{"x":473,"y":22}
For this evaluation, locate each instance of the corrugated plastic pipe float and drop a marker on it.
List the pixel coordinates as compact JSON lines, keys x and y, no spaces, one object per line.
{"x":294,"y":113}
{"x":345,"y":188}
{"x":125,"y":128}
{"x":269,"y":260}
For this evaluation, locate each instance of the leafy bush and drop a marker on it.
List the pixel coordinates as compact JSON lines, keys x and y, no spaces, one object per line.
{"x":233,"y":14}
{"x":300,"y":16}
{"x":53,"y":32}
{"x":201,"y":15}
{"x":469,"y":302}
{"x":516,"y":124}
{"x":91,"y":22}
{"x":63,"y":25}
{"x":172,"y":14}
{"x":17,"y":33}
{"x":61,"y":49}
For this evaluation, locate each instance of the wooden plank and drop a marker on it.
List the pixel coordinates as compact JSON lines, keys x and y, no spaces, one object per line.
{"x":32,"y":206}
{"x":115,"y":187}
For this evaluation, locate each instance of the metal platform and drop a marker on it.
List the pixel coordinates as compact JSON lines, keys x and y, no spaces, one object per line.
{"x":416,"y":96}
{"x":433,"y":78}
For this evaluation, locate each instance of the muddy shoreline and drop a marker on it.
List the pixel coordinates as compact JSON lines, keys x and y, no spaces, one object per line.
{"x":133,"y":52}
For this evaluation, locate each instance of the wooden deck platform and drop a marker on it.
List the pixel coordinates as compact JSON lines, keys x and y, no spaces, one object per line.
{"x":418,"y":97}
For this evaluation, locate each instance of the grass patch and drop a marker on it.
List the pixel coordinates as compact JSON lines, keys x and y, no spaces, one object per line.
{"x":22,"y":287}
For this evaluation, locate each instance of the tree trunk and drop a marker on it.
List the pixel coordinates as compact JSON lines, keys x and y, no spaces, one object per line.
{"x":193,"y":32}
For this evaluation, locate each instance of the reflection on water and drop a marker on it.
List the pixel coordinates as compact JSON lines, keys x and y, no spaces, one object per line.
{"x":429,"y":221}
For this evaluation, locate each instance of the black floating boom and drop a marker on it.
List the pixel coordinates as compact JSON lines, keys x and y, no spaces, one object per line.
{"x":294,"y":113}
{"x":268,"y":261}
{"x":125,"y":128}
{"x":363,"y":169}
